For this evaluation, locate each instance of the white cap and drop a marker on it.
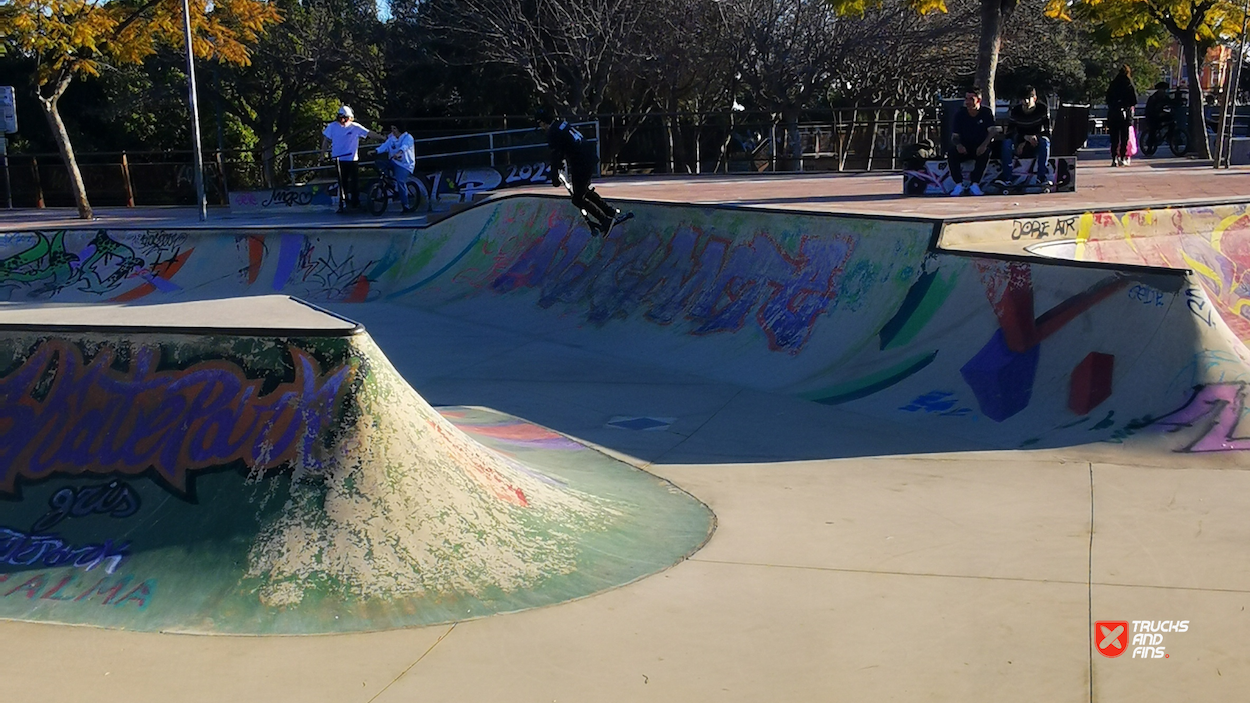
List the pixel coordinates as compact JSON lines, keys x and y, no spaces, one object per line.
{"x":345,"y":110}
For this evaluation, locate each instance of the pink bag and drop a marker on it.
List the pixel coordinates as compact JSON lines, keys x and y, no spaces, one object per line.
{"x":1132,"y":141}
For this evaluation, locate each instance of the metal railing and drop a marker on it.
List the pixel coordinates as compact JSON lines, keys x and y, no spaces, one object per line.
{"x":495,"y":148}
{"x":864,"y":138}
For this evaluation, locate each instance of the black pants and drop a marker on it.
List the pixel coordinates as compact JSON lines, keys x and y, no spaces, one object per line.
{"x":954,"y":160}
{"x":349,"y":182}
{"x":585,"y":197}
{"x":1117,"y":127}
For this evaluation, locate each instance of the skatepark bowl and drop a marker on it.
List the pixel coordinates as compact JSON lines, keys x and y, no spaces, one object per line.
{"x":725,"y":453}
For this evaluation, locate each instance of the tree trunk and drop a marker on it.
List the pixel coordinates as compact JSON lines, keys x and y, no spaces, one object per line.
{"x":59,"y":133}
{"x":1197,"y":124}
{"x":793,"y":141}
{"x":992,"y":12}
{"x":268,"y":158}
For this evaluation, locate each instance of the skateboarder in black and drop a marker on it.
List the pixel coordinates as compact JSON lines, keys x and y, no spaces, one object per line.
{"x":570,"y":149}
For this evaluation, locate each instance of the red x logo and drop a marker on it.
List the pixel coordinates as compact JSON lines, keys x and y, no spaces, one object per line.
{"x":1111,"y":637}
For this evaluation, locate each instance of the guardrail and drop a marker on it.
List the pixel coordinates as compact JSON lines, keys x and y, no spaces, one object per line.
{"x":495,"y":148}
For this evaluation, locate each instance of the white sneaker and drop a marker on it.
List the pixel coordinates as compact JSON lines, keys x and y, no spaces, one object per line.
{"x":958,"y":190}
{"x":975,"y":189}
{"x":1126,"y":161}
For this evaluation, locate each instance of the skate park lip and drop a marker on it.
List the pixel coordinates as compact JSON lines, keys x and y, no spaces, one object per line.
{"x":271,"y":315}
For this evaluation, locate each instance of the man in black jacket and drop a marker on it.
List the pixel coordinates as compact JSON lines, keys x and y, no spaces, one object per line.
{"x":1028,"y":128}
{"x":972,"y":130}
{"x":570,"y":149}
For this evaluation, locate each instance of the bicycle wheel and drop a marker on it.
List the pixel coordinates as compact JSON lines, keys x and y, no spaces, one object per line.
{"x":1179,"y":142}
{"x":414,"y":198}
{"x":1149,"y":142}
{"x":377,"y":198}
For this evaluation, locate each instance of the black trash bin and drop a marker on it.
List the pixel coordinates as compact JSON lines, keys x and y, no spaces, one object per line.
{"x":1070,"y":129}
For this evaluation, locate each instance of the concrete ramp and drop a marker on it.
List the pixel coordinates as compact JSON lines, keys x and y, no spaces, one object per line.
{"x":203,"y":477}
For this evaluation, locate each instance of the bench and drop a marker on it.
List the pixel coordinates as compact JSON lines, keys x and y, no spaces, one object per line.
{"x":934,"y":178}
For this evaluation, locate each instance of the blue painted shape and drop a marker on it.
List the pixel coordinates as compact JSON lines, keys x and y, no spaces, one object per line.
{"x":161,"y":284}
{"x":639,"y":423}
{"x":1001,"y":379}
{"x":288,"y":259}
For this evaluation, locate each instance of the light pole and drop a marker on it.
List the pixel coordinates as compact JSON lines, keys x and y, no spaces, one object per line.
{"x":197,"y":159}
{"x":1224,"y":156}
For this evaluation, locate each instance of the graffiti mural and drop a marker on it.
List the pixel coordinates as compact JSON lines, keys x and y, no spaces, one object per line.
{"x":1216,"y":409}
{"x":1001,"y":374}
{"x":62,"y":412}
{"x":44,"y":266}
{"x":713,"y":283}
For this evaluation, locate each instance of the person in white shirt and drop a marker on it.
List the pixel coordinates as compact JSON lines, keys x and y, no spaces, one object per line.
{"x":340,"y":141}
{"x":403,"y":159}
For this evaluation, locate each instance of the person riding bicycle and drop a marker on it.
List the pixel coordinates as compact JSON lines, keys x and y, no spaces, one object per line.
{"x":401,"y":160}
{"x":1158,"y":107}
{"x":570,"y":149}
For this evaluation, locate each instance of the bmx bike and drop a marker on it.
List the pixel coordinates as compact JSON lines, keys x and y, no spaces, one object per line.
{"x":385,"y":189}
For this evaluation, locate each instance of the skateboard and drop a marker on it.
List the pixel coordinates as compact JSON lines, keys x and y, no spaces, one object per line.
{"x":1028,"y":186}
{"x":595,"y":226}
{"x":621,"y":217}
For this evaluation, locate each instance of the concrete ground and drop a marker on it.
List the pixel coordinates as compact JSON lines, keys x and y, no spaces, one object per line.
{"x":853,"y":560}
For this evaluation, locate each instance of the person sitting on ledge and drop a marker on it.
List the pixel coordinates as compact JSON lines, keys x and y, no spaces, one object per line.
{"x":1028,"y":128}
{"x":972,"y":130}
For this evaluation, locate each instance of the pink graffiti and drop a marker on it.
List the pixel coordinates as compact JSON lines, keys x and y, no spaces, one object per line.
{"x":1219,"y":407}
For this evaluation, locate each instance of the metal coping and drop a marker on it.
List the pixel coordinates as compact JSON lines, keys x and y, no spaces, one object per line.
{"x":354,"y":330}
{"x":1048,"y":212}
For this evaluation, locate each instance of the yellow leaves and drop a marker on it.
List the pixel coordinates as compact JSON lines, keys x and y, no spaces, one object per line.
{"x":1057,"y":9}
{"x":81,"y":36}
{"x":1218,"y":21}
{"x":857,"y":8}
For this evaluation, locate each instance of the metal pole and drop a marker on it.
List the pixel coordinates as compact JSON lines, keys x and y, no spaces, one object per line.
{"x":197,"y":159}
{"x":1234,"y":81}
{"x":8,"y":184}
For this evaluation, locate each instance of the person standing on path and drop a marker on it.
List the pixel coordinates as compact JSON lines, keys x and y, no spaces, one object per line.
{"x":341,"y":141}
{"x":1121,"y":102}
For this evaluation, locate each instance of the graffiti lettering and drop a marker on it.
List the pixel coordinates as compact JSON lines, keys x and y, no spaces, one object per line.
{"x":21,"y":549}
{"x":1218,"y":409}
{"x":67,"y":588}
{"x":705,"y":279}
{"x":1029,"y":229}
{"x":1198,"y":306}
{"x":1067,"y":227}
{"x":527,"y":173}
{"x":1146,"y":295}
{"x":59,"y":414}
{"x":289,"y":198}
{"x":115,"y":498}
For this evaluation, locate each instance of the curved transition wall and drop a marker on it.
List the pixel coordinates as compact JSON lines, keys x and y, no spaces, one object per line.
{"x":854,"y":311}
{"x":848,"y":311}
{"x":212,"y":483}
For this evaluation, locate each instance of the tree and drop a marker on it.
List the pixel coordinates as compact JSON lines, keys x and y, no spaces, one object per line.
{"x":993,"y":17}
{"x":76,"y":38}
{"x":324,"y":53}
{"x":1195,"y":24}
{"x":568,"y":51}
